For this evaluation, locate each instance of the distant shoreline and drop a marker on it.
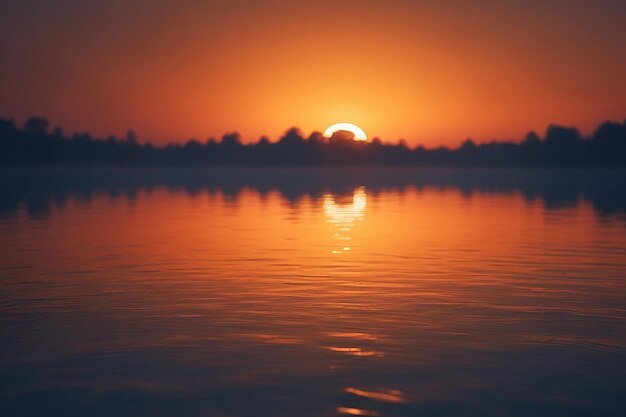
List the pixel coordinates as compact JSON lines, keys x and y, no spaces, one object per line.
{"x":35,"y":145}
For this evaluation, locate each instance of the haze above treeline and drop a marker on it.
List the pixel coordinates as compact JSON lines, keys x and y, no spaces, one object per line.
{"x":36,"y":144}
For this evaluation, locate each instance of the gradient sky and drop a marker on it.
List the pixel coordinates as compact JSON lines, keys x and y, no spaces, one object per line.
{"x":432,"y":72}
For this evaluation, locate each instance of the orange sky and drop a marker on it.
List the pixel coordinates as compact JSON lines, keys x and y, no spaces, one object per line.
{"x":431,"y":72}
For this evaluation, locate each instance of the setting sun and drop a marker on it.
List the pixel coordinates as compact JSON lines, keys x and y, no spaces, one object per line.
{"x":359,"y":134}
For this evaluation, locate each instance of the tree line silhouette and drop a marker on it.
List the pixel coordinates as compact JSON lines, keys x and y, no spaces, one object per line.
{"x":36,"y":144}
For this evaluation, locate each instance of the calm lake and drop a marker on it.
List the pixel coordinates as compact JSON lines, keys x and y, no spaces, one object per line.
{"x":313,"y":292}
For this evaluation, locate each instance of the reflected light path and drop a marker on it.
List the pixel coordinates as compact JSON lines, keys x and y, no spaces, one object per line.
{"x":344,"y":217}
{"x":356,"y":411}
{"x":392,"y":396}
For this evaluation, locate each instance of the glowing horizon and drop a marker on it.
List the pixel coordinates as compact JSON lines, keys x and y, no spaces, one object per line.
{"x":432,"y":73}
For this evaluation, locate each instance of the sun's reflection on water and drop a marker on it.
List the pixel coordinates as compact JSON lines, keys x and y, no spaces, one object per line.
{"x":356,"y":411}
{"x":387,"y":395}
{"x":343,"y":216}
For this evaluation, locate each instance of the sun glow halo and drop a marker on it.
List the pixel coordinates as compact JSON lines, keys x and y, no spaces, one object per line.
{"x":359,"y":134}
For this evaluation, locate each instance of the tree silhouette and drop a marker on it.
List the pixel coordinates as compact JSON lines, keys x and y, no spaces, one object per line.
{"x":36,"y":126}
{"x":561,"y":146}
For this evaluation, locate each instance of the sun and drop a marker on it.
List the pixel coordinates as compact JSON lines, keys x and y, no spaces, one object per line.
{"x":359,"y":134}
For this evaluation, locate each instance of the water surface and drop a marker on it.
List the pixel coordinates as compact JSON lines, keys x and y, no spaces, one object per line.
{"x":312,"y":292}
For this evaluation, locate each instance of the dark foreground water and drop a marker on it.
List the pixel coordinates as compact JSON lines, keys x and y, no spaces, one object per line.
{"x":312,"y":293}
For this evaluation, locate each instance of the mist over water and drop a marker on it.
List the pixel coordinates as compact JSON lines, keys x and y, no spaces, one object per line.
{"x":318,"y":292}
